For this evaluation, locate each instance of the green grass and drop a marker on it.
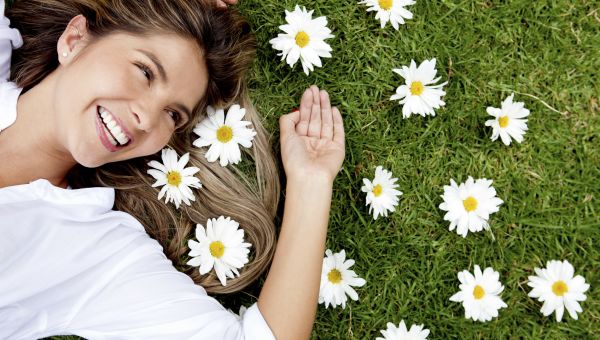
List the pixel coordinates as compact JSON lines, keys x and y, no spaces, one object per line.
{"x":544,"y":51}
{"x":485,"y":50}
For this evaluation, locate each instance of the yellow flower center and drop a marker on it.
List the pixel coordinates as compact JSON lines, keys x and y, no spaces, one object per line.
{"x":470,"y":204}
{"x":334,"y":276}
{"x":224,"y":134}
{"x":559,"y":288}
{"x":503,"y":121}
{"x":416,"y":88}
{"x":302,"y":39}
{"x":217,"y":249}
{"x":377,"y":190}
{"x":174,"y":178}
{"x":386,"y":4}
{"x":478,"y":292}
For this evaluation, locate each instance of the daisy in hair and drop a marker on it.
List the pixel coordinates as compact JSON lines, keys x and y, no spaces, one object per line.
{"x":224,"y":134}
{"x":176,"y":180}
{"x":220,"y":246}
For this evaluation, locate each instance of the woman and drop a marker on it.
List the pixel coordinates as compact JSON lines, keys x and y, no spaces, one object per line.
{"x":71,"y":265}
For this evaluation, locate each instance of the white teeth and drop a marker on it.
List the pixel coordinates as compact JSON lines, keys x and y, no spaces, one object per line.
{"x":115,"y":129}
{"x":110,"y":138}
{"x":122,"y":138}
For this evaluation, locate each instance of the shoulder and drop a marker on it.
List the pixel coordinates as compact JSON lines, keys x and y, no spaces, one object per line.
{"x":56,"y":207}
{"x":145,"y":297}
{"x":150,"y":299}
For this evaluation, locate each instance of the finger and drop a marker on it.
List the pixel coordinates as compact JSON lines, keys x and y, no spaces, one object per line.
{"x":224,"y":3}
{"x":288,"y":122}
{"x":305,"y":107}
{"x":314,"y":127}
{"x":326,"y":116}
{"x":338,"y":127}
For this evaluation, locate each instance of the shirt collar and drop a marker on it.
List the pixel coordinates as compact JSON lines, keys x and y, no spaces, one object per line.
{"x":42,"y":189}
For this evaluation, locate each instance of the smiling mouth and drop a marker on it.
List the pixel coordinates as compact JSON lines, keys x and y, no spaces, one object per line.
{"x":113,"y":130}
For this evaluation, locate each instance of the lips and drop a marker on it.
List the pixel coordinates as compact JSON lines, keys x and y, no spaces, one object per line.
{"x":112,"y":132}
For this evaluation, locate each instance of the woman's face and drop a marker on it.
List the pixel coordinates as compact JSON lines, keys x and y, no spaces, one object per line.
{"x":123,"y":96}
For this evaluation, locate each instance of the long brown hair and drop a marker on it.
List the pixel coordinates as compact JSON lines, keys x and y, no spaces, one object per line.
{"x":228,"y":48}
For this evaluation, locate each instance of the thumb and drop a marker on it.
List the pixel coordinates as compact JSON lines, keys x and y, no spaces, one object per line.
{"x":287,"y":123}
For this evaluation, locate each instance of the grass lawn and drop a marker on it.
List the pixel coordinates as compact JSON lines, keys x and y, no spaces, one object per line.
{"x":546,"y":52}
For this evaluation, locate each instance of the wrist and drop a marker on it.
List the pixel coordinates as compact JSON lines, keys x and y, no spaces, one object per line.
{"x":310,"y":180}
{"x":308,"y":195}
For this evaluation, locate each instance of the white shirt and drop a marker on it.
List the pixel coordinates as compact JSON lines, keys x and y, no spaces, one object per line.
{"x":9,"y":92}
{"x":71,"y":265}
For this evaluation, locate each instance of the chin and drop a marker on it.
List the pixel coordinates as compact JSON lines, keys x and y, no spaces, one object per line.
{"x":88,"y":161}
{"x":91,"y":165}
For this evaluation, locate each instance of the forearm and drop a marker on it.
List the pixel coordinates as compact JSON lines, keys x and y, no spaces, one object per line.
{"x":288,"y":300}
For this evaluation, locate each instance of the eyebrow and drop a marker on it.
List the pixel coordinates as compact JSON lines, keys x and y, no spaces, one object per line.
{"x":163,"y":75}
{"x":157,"y":63}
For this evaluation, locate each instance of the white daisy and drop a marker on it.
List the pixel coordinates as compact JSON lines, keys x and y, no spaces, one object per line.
{"x":337,"y":280}
{"x":479,"y":294}
{"x":175,"y":178}
{"x":390,"y":10}
{"x":469,"y":205}
{"x":224,"y":134}
{"x":558,"y":289}
{"x":392,"y":332}
{"x":419,"y":95}
{"x":220,"y":246}
{"x":303,"y":39}
{"x":508,"y":120}
{"x":381,"y":193}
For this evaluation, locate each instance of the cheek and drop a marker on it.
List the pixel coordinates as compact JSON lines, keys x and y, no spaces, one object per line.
{"x":85,"y":83}
{"x":155,"y":142}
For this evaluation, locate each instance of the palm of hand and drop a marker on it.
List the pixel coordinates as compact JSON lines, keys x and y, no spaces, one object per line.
{"x":312,"y":139}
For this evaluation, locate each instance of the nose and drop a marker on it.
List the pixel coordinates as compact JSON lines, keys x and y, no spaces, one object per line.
{"x":145,"y":119}
{"x":138,"y":121}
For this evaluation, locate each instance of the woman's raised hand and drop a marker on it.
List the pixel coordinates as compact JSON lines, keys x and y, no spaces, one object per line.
{"x":224,"y":3}
{"x":312,"y":138}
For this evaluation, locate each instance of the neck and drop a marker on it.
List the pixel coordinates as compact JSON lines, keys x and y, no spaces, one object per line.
{"x":29,"y":148}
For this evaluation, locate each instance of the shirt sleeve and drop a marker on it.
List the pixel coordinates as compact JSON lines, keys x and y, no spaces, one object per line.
{"x":9,"y":38}
{"x":149,"y":299}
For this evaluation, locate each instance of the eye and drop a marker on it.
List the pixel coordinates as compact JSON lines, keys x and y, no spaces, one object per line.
{"x":146,"y":70}
{"x":176,"y":116}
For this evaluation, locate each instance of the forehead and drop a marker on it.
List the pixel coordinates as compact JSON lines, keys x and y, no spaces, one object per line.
{"x":181,"y":57}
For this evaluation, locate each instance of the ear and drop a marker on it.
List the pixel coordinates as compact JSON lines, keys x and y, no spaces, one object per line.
{"x":73,"y":40}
